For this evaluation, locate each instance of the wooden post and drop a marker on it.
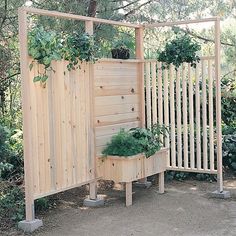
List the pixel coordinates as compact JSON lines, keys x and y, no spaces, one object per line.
{"x":218,"y":105}
{"x":128,"y":193}
{"x":26,"y":107}
{"x":92,"y":156}
{"x":162,"y":182}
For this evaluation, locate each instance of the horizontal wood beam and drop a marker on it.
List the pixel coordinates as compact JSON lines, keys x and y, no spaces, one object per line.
{"x":175,"y":23}
{"x":76,"y":17}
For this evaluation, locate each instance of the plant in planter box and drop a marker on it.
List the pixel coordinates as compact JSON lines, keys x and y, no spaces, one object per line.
{"x":122,"y":48}
{"x":135,"y":141}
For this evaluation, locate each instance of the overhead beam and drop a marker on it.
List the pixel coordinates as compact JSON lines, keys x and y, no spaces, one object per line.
{"x":76,"y":17}
{"x":174,"y":23}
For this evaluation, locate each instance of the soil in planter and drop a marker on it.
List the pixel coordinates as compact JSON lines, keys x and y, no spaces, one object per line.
{"x":120,"y":53}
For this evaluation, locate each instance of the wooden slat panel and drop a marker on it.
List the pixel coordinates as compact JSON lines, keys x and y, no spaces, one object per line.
{"x":198,"y":124}
{"x":172,"y":116}
{"x":116,"y":109}
{"x":116,"y":100}
{"x":211,"y":120}
{"x":185,"y":116}
{"x":191,"y":117}
{"x":116,"y":90}
{"x":160,"y":98}
{"x":154,"y":93}
{"x":148,"y":96}
{"x":204,"y":116}
{"x":179,"y":111}
{"x":166,"y":105}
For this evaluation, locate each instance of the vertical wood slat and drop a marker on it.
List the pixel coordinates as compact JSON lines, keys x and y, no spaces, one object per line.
{"x":218,"y":105}
{"x":191,"y":118}
{"x":198,"y":125}
{"x":172,"y":116}
{"x":148,"y":96}
{"x":154,"y":93}
{"x":179,"y":111}
{"x":160,"y":97}
{"x":166,"y":111}
{"x":204,"y":116}
{"x":211,"y":120}
{"x":185,"y":117}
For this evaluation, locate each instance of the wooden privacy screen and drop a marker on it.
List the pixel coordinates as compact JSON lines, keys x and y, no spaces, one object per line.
{"x":184,"y":101}
{"x":61,"y":134}
{"x":117,"y":100}
{"x":62,"y":139}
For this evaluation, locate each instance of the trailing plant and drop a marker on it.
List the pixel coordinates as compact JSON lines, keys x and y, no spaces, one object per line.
{"x":46,"y":46}
{"x":135,"y":141}
{"x":181,"y":49}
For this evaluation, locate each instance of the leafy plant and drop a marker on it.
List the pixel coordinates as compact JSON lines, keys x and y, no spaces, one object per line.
{"x":79,"y":47}
{"x":46,"y":46}
{"x":181,"y":49}
{"x":134,"y":141}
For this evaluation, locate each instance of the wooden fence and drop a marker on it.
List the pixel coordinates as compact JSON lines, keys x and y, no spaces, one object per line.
{"x":184,"y":101}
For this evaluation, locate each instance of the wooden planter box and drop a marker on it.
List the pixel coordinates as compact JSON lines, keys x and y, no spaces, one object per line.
{"x":132,"y":168}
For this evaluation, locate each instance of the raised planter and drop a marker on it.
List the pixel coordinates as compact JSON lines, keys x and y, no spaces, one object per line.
{"x":132,"y":168}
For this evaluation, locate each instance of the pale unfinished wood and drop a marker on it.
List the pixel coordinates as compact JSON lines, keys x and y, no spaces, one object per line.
{"x":172,"y":116}
{"x":128,"y":193}
{"x":198,"y":124}
{"x":161,"y":182}
{"x":204,"y":116}
{"x":218,"y":105}
{"x":211,"y":118}
{"x":185,"y":115}
{"x":191,"y":117}
{"x":148,"y":96}
{"x":26,"y":104}
{"x":179,"y":111}
{"x":154,"y":93}
{"x":160,"y":97}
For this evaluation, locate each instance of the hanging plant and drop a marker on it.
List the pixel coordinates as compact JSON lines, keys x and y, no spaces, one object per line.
{"x":46,"y":46}
{"x":182,"y":48}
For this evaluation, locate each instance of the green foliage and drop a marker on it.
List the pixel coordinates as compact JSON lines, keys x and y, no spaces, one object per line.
{"x":134,"y":141}
{"x":46,"y":46}
{"x":11,"y":202}
{"x":181,"y":49}
{"x":229,"y":146}
{"x":79,"y":47}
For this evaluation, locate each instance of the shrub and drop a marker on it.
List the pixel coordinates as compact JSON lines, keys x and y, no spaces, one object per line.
{"x":134,"y":141}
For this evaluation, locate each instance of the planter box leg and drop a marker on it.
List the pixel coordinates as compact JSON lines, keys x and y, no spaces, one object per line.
{"x":161,"y":183}
{"x":128,"y":193}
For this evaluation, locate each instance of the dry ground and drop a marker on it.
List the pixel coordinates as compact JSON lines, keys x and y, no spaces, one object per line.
{"x":185,"y":209}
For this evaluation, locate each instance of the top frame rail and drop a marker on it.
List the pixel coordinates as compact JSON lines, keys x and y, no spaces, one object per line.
{"x":58,"y":14}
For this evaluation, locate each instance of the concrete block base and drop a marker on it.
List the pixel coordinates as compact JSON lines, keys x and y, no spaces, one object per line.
{"x":94,"y":202}
{"x":30,"y":226}
{"x":146,"y":184}
{"x":221,"y":195}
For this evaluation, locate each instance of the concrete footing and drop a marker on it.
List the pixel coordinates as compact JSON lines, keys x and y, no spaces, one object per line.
{"x":30,"y":226}
{"x":221,"y":195}
{"x":99,"y":201}
{"x":146,"y":184}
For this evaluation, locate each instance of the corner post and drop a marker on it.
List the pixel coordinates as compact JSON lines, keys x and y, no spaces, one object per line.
{"x":28,"y":154}
{"x":93,"y":199}
{"x":30,"y":224}
{"x":218,"y":105}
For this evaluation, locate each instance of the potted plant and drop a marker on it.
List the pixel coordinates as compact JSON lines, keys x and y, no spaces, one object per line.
{"x":133,"y":155}
{"x":122,"y":48}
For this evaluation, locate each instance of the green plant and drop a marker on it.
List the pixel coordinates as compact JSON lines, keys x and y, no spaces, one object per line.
{"x":181,"y":49}
{"x":46,"y":46}
{"x":134,"y":141}
{"x":79,"y":47}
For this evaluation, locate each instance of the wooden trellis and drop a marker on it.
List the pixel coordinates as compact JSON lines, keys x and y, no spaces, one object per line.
{"x":67,"y":122}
